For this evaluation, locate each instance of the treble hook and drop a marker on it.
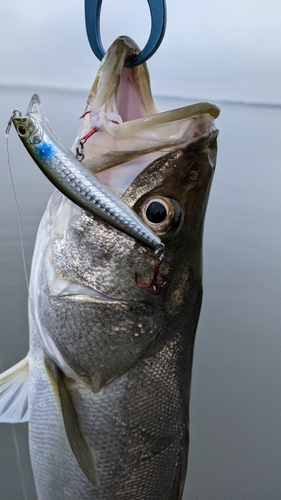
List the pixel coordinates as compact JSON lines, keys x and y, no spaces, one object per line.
{"x":158,"y":26}
{"x":156,"y":287}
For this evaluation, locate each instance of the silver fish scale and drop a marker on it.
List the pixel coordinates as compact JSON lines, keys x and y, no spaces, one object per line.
{"x":150,"y":426}
{"x":155,"y":427}
{"x":142,"y":416}
{"x":106,"y":412}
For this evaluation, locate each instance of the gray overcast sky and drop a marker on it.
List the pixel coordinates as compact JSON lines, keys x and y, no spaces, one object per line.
{"x":213,"y":49}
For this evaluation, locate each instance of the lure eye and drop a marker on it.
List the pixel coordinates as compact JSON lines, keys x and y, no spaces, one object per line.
{"x":22,"y":130}
{"x":159,"y":213}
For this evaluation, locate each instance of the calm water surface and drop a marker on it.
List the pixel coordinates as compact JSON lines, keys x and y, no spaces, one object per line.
{"x":235,"y":451}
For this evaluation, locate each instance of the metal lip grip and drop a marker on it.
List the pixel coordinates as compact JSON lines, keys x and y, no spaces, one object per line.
{"x":158,"y":26}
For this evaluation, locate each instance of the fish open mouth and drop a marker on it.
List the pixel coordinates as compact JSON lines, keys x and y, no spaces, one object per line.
{"x":122,"y":131}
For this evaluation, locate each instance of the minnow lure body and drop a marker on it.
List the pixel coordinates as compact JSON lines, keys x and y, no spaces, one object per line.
{"x":74,"y":180}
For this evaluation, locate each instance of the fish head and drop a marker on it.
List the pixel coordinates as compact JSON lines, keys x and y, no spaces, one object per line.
{"x":171,"y":197}
{"x":96,"y":285}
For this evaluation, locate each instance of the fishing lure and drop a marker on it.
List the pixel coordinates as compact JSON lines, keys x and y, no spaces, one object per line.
{"x":77,"y":183}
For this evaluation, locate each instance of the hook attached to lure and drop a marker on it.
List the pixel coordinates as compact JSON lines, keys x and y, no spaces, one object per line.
{"x":156,"y":287}
{"x":158,"y":26}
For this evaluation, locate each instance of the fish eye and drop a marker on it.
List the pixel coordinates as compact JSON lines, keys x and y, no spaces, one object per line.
{"x":156,"y":212}
{"x":159,"y":213}
{"x":22,"y":130}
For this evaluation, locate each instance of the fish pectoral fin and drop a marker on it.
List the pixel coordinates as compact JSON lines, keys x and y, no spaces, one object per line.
{"x":14,"y":387}
{"x":81,"y":449}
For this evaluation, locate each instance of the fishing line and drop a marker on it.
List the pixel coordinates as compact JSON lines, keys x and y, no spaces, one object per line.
{"x":18,"y":210}
{"x":15,"y":439}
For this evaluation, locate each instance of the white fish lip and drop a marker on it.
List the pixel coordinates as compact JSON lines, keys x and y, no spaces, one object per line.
{"x":77,"y":292}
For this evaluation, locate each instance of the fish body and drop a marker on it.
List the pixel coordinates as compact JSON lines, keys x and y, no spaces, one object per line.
{"x":110,"y":362}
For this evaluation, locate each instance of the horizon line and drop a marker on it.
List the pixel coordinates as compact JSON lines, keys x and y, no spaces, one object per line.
{"x":61,"y":88}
